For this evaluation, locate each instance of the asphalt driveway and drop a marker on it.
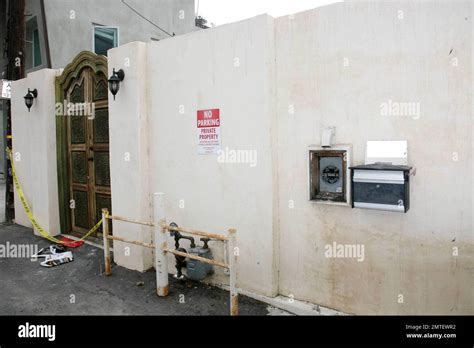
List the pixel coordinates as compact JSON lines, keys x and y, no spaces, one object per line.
{"x":80,"y":288}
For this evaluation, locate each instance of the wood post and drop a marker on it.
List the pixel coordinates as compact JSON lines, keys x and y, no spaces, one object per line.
{"x":195,"y":232}
{"x":234,"y":296}
{"x":105,"y":235}
{"x":198,"y":258}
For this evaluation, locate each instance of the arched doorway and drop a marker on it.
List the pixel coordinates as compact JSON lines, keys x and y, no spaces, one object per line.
{"x":82,"y":126}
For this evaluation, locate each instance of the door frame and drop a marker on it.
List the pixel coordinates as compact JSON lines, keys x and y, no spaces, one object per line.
{"x":72,"y":71}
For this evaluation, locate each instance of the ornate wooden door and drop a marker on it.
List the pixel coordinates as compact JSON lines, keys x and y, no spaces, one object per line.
{"x":83,"y":144}
{"x":99,"y":147}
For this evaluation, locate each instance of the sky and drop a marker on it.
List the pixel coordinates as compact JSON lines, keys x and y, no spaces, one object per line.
{"x":221,"y":12}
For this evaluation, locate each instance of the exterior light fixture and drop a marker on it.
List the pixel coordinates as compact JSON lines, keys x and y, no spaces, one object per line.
{"x":29,"y":98}
{"x":114,"y":81}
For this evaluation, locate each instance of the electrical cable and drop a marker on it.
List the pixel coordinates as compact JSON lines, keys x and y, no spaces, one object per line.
{"x":149,"y":21}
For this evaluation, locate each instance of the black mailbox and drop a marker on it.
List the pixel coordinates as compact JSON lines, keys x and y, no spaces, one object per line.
{"x":381,"y":186}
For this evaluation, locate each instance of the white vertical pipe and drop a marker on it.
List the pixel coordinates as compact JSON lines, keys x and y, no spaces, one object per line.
{"x":161,"y":264}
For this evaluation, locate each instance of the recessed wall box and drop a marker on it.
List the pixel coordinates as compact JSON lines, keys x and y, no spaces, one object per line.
{"x":328,"y":176}
{"x":381,"y":187}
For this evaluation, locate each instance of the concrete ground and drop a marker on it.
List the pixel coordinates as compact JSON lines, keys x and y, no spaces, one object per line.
{"x":80,"y":288}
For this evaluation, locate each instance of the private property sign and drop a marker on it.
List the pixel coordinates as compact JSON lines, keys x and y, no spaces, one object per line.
{"x":209,"y":131}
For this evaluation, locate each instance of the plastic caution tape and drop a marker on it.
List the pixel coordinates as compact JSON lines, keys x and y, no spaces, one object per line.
{"x":29,"y":213}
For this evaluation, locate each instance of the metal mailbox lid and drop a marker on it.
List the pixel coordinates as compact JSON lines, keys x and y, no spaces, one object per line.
{"x":382,"y":166}
{"x":379,"y":176}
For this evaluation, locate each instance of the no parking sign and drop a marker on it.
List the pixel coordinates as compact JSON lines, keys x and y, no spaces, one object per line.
{"x":209,"y":134}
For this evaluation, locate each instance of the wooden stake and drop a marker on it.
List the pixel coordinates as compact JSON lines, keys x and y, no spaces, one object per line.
{"x":105,"y":235}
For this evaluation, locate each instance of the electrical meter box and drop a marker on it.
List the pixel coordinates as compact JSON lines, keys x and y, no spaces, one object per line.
{"x":381,"y":186}
{"x":328,"y":174}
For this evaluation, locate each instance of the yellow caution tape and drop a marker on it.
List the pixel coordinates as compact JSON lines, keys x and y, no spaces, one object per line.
{"x":29,"y":213}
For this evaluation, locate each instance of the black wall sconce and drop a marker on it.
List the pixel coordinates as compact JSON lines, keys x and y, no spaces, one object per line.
{"x":29,"y":98}
{"x":114,"y":81}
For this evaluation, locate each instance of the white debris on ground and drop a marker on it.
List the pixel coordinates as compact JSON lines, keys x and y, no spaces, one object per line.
{"x":276,"y":311}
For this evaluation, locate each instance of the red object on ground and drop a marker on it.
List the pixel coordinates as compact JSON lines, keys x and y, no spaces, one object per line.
{"x":71,"y":243}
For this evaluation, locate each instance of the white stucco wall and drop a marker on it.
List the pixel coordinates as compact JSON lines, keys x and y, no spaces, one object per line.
{"x":229,"y":68}
{"x":34,"y":146}
{"x":129,"y":155}
{"x":405,"y":60}
{"x":333,"y":66}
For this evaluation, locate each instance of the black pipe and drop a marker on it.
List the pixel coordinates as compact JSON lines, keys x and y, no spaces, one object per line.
{"x":180,"y":260}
